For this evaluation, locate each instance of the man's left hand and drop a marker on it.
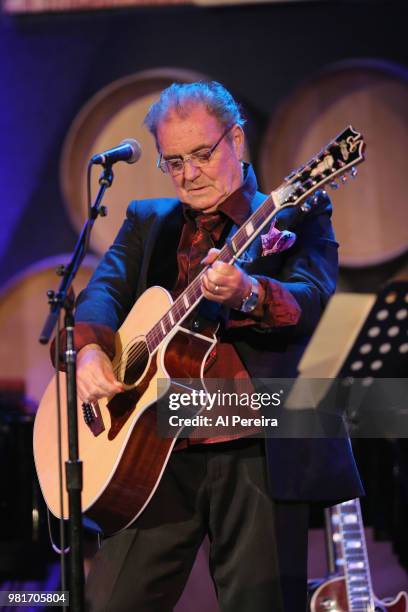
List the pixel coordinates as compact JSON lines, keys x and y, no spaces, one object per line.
{"x":225,"y":283}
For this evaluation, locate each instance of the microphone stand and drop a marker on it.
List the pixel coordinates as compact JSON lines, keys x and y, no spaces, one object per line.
{"x":64,"y":299}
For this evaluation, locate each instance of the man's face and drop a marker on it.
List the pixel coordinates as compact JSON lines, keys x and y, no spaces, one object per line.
{"x":206,"y":187}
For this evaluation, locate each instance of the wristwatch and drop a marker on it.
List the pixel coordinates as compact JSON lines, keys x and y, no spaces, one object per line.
{"x":249,"y":303}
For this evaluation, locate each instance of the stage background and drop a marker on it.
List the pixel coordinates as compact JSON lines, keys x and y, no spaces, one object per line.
{"x":52,"y":64}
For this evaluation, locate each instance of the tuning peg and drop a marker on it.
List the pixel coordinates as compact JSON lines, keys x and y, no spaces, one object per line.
{"x":334,"y":185}
{"x":343,"y":179}
{"x":305,"y":207}
{"x":353,"y":172}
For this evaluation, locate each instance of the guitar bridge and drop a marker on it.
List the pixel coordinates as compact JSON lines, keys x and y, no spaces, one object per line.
{"x":92,"y":416}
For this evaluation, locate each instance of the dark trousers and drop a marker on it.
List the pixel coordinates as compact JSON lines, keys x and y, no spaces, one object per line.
{"x":258,"y":547}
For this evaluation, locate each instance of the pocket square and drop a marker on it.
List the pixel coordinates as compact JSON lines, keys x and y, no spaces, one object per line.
{"x":276,"y":241}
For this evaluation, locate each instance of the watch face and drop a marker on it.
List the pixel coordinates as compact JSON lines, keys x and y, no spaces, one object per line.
{"x":250,"y":303}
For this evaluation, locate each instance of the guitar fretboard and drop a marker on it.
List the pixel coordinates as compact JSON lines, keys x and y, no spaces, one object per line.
{"x":351,"y":554}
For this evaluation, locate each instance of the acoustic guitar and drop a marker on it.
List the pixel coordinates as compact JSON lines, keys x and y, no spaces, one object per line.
{"x":123,"y":456}
{"x":350,"y":590}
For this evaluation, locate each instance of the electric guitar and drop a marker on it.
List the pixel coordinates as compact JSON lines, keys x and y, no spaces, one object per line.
{"x":350,"y":590}
{"x":123,"y":456}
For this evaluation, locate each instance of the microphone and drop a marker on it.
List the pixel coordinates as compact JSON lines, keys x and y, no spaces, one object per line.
{"x":129,"y":151}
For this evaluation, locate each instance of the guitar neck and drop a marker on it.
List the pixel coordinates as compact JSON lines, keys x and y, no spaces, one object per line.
{"x":350,"y":554}
{"x":230,"y":252}
{"x":341,"y":154}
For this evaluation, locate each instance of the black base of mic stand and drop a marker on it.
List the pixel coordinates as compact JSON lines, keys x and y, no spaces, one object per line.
{"x":64,"y":299}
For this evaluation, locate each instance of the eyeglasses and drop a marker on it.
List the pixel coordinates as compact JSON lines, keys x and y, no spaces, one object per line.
{"x":175,"y":165}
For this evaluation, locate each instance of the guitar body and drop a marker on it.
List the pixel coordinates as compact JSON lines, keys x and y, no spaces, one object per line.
{"x":123,"y":457}
{"x":332,"y":595}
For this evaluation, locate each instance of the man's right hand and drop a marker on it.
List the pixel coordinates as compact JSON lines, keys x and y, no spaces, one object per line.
{"x":95,"y":377}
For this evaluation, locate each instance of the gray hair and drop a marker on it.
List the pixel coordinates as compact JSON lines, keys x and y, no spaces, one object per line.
{"x":183,"y":97}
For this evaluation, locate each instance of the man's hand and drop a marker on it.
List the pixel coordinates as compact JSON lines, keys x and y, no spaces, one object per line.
{"x":225,"y":283}
{"x":95,"y":377}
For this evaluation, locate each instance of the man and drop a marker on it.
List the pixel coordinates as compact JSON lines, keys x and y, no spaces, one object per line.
{"x":253,"y":504}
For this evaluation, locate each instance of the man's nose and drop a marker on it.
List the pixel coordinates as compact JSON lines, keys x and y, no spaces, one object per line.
{"x":190,"y":170}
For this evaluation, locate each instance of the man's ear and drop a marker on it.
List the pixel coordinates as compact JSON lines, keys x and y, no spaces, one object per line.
{"x":238,"y":140}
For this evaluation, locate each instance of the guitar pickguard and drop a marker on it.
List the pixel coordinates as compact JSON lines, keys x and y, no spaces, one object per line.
{"x":186,"y":351}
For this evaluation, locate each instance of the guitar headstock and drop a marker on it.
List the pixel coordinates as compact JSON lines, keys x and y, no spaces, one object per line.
{"x":338,"y":158}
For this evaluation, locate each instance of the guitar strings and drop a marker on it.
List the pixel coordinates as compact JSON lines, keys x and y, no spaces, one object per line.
{"x":155,"y":335}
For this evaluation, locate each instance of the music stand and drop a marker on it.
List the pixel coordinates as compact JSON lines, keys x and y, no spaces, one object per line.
{"x":359,"y":355}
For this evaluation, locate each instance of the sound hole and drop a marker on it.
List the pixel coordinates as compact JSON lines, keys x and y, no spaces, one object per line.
{"x":136,"y":362}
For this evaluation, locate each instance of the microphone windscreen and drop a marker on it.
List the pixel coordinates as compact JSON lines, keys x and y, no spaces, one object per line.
{"x":137,"y":149}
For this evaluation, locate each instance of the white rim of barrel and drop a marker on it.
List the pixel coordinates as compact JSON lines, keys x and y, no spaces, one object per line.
{"x":23,"y":310}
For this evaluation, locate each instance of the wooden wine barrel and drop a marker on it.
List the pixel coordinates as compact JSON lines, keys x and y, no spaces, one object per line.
{"x":370,"y":214}
{"x":23,"y":310}
{"x":116,"y":112}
